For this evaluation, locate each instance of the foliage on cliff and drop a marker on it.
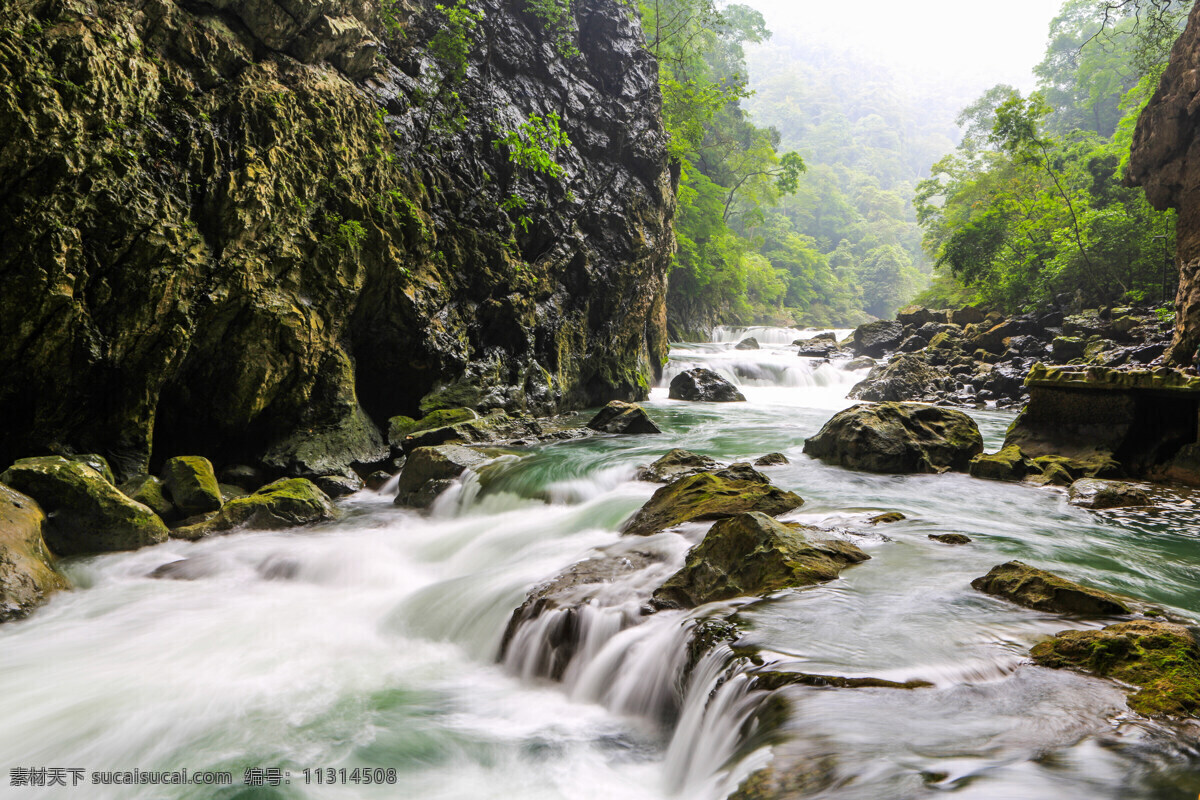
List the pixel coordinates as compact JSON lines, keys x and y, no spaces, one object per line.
{"x":1031,"y":205}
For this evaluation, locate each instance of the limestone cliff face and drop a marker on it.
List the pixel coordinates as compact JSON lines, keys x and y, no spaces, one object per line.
{"x":246,"y":229}
{"x":1166,"y":162}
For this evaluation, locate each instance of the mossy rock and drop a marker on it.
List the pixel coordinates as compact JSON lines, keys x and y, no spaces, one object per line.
{"x":87,"y":514}
{"x":430,"y":470}
{"x":1100,"y":494}
{"x":621,"y":417}
{"x":770,"y":680}
{"x":1063,"y":471}
{"x":950,"y":538}
{"x":191,"y":483}
{"x":98,"y":463}
{"x":709,"y":496}
{"x":676,"y":464}
{"x":148,"y":490}
{"x":772,"y":460}
{"x":1010,"y":464}
{"x":753,"y":555}
{"x":286,"y":503}
{"x":1161,"y":658}
{"x":28,"y":575}
{"x":400,"y":427}
{"x":898,"y":438}
{"x":1044,"y":591}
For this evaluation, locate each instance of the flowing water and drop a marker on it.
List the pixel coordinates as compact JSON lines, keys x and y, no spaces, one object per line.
{"x":372,"y":642}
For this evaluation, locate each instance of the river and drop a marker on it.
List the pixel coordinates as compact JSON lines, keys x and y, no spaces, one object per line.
{"x":371,"y":643}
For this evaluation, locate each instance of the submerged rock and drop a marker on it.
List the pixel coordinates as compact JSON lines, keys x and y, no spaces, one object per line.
{"x":1099,"y":494}
{"x":704,"y":385}
{"x":898,"y":438}
{"x":1161,"y":658}
{"x":772,"y":460}
{"x":709,"y":496}
{"x":749,"y":343}
{"x":192,"y":485}
{"x":87,"y":514}
{"x":27,"y":572}
{"x":286,"y":503}
{"x":622,"y":417}
{"x":769,"y":680}
{"x":675,"y":465}
{"x":950,"y":538}
{"x":752,"y":555}
{"x":1044,"y":591}
{"x":431,"y":470}
{"x":887,"y":518}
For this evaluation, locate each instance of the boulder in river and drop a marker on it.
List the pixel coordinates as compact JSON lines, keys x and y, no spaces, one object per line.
{"x":950,"y":538}
{"x":753,"y":555}
{"x":191,"y":484}
{"x":704,"y":385}
{"x":87,"y":514}
{"x":876,"y":338}
{"x":749,"y":343}
{"x":285,"y":503}
{"x":709,"y":496}
{"x":898,"y":438}
{"x":772,"y":460}
{"x":430,"y":470}
{"x":1044,"y":591}
{"x":148,"y":490}
{"x":621,"y":417}
{"x":675,"y":465}
{"x":1099,"y":494}
{"x":27,"y":572}
{"x":1009,"y":464}
{"x":1161,"y":658}
{"x":903,"y":378}
{"x":401,"y":427}
{"x":339,"y":485}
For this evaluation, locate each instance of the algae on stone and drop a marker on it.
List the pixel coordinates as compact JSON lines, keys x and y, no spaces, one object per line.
{"x":708,"y":496}
{"x":192,"y":485}
{"x":1045,"y":591}
{"x":286,"y":503}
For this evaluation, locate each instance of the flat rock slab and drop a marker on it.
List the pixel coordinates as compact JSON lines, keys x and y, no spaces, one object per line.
{"x":1044,"y":591}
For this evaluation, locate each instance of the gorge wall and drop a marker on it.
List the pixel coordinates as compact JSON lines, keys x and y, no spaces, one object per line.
{"x":255,"y":229}
{"x":1166,"y":162}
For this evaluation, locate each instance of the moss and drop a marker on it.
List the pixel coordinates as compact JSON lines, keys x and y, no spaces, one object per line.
{"x":1045,"y":591}
{"x":707,"y":496}
{"x":459,"y":395}
{"x":1162,"y":659}
{"x":283,"y":504}
{"x":1010,"y":464}
{"x":192,"y":485}
{"x":400,"y":427}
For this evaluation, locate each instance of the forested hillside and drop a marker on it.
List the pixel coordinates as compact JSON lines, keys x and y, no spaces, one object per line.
{"x":1031,"y":206}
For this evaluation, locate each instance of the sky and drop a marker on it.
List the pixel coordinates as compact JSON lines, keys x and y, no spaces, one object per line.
{"x":960,"y":41}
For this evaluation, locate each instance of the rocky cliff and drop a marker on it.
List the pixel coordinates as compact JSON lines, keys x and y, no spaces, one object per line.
{"x":1166,"y":162}
{"x":255,"y":229}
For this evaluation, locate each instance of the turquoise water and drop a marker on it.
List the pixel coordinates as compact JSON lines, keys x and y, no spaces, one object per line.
{"x":372,"y":642}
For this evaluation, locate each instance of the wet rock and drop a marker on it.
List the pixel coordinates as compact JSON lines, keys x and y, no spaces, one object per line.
{"x":495,"y":428}
{"x":188,"y":569}
{"x":950,"y":538}
{"x":1098,"y":494}
{"x":887,"y":518}
{"x":1010,"y":464}
{"x":708,"y":496}
{"x":1044,"y":591}
{"x":249,"y":478}
{"x":903,"y":378}
{"x":877,"y":338}
{"x":769,"y":680}
{"x":28,"y":575}
{"x":401,"y":427}
{"x":818,"y":348}
{"x":675,"y":465}
{"x":742,"y":471}
{"x":704,"y":385}
{"x":339,"y":485}
{"x":621,"y":417}
{"x":753,"y":555}
{"x":1161,"y":658}
{"x":772,"y":460}
{"x":1067,"y":348}
{"x":749,"y":343}
{"x":191,"y":484}
{"x":917,"y":316}
{"x":87,"y":514}
{"x":231,"y":492}
{"x":430,"y":470}
{"x":286,"y":503}
{"x":377,"y":480}
{"x":148,"y":490}
{"x":863,"y":362}
{"x":898,"y":438}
